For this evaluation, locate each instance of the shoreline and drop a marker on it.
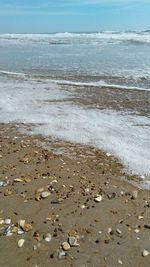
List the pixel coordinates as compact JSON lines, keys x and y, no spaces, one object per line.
{"x":87,"y":199}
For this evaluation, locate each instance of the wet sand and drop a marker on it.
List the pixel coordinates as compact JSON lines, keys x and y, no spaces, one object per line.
{"x":103,"y":219}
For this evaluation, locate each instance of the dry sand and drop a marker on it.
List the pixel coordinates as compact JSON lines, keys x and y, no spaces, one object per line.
{"x":112,"y":232}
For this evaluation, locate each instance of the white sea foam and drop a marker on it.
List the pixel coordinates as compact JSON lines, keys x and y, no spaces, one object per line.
{"x":95,"y":38}
{"x":127,"y":137}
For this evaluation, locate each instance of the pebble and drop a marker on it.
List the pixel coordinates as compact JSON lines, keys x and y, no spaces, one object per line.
{"x":7,"y":221}
{"x":48,"y":237}
{"x":73,"y":241}
{"x":145,"y":253}
{"x":21,"y":243}
{"x":120,"y":262}
{"x":1,"y":221}
{"x":98,"y":198}
{"x":45,"y":194}
{"x":65,"y":246}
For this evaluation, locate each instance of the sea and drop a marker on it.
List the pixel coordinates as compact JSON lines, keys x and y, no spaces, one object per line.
{"x":86,"y":88}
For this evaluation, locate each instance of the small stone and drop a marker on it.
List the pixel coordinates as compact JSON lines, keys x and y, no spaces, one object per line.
{"x":48,"y":237}
{"x":98,"y":198}
{"x":45,"y":194}
{"x":108,"y":154}
{"x":145,"y":253}
{"x":134,"y":194}
{"x":7,"y":221}
{"x":120,"y":262}
{"x":73,"y":241}
{"x":1,"y":221}
{"x":21,"y":243}
{"x":65,"y":246}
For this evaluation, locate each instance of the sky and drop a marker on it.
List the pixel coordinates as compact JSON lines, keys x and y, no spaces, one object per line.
{"x":43,"y":16}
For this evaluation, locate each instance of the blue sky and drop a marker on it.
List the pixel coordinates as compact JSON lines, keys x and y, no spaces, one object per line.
{"x":73,"y":15}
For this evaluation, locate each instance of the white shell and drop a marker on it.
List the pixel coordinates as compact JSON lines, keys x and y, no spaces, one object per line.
{"x":98,"y":198}
{"x":7,"y":221}
{"x":21,"y":243}
{"x":48,"y":237}
{"x":145,"y":253}
{"x":45,"y":194}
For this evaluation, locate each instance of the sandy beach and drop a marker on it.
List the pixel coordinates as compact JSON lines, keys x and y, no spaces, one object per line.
{"x":70,"y":205}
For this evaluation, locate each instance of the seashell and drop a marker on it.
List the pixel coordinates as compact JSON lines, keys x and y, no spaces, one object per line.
{"x":27,"y":227}
{"x":21,"y":223}
{"x":7,"y":193}
{"x":21,"y":243}
{"x":14,"y":230}
{"x":45,"y":194}
{"x":7,"y":221}
{"x":118,"y":231}
{"x":73,"y":241}
{"x":27,"y":180}
{"x":37,"y":236}
{"x":1,"y":183}
{"x":49,"y":156}
{"x":65,"y":246}
{"x":20,"y":232}
{"x":17,"y":180}
{"x":145,"y":253}
{"x":48,"y":237}
{"x":98,"y":198}
{"x":1,"y":221}
{"x":61,"y":254}
{"x":38,"y":192}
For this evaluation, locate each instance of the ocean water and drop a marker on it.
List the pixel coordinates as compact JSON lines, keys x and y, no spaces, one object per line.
{"x":89,"y":88}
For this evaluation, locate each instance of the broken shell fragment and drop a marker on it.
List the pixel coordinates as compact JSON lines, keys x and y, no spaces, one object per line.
{"x":98,"y":198}
{"x":73,"y":241}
